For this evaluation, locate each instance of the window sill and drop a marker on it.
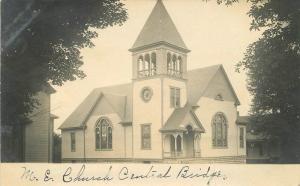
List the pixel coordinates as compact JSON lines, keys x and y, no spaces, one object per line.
{"x":146,"y":149}
{"x":103,"y":149}
{"x":225,"y":147}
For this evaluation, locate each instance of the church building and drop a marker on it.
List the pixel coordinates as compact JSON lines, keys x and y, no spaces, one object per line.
{"x":166,"y":114}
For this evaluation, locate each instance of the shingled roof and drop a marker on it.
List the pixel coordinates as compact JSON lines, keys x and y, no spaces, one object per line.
{"x":198,"y":80}
{"x":180,"y":118}
{"x":120,"y":97}
{"x":159,"y":28}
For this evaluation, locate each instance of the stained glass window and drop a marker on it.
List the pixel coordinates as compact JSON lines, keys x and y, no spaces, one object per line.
{"x":219,"y":130}
{"x":103,"y":135}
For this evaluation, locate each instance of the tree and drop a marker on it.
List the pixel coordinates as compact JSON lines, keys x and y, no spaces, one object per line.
{"x":41,"y":42}
{"x":273,"y":67}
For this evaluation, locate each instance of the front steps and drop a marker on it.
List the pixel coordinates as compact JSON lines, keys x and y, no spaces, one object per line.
{"x":201,"y":160}
{"x":209,"y":160}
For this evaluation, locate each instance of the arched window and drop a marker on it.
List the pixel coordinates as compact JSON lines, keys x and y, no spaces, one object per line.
{"x":153,"y":63}
{"x":219,"y":130}
{"x":147,"y":64}
{"x":174,"y":63}
{"x":103,"y":134}
{"x":179,"y":64}
{"x":178,"y":143}
{"x":219,"y":97}
{"x":169,"y":64}
{"x":140,"y":63}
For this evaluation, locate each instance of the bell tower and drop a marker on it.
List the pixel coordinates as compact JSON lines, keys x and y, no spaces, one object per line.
{"x":159,"y":70}
{"x":158,"y":47}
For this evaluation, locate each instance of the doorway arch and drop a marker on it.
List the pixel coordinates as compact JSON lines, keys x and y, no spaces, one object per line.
{"x":189,"y":141}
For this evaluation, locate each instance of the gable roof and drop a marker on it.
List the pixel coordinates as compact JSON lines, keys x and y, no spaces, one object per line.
{"x":47,"y":88}
{"x":199,"y":79}
{"x":120,"y":98}
{"x":159,"y":28}
{"x":118,"y":103}
{"x":230,"y":86}
{"x":176,"y":121}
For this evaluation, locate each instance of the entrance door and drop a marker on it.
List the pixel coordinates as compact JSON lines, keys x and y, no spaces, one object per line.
{"x":172,"y":145}
{"x":189,"y":139}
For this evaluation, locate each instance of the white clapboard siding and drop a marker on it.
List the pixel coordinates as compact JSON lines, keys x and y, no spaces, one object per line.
{"x":37,"y":133}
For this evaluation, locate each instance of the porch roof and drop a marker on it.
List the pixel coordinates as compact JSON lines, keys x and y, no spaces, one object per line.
{"x":181,"y":118}
{"x":243,"y":120}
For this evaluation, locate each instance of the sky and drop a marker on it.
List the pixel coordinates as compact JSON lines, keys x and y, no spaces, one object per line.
{"x":215,"y":34}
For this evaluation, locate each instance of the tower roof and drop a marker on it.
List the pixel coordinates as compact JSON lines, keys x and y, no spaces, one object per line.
{"x":159,"y":29}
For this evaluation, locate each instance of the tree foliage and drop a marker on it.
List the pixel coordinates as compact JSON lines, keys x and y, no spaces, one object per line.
{"x":48,"y":49}
{"x":273,"y":67}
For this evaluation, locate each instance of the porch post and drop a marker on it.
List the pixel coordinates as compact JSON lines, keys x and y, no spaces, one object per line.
{"x":175,"y":137}
{"x":194,"y":144}
{"x":182,"y":149}
{"x":163,"y":145}
{"x":199,"y":144}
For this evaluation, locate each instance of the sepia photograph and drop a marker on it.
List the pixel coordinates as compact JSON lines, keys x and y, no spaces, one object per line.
{"x":168,"y":82}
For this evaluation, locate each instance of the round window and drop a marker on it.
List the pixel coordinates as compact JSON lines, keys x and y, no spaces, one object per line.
{"x":146,"y":94}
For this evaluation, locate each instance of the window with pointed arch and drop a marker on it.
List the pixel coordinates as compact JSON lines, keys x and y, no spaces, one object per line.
{"x":153,"y":64}
{"x":179,"y":65}
{"x":219,"y":130}
{"x":141,"y":65}
{"x":146,"y":65}
{"x":103,"y":134}
{"x":174,"y":65}
{"x":169,"y":65}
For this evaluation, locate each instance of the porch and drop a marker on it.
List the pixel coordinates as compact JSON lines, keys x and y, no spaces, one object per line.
{"x":182,"y":143}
